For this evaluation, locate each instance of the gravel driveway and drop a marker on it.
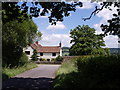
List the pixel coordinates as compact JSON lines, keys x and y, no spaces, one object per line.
{"x":37,"y":78}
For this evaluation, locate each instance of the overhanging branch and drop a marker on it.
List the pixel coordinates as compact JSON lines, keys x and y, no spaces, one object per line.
{"x":97,"y":10}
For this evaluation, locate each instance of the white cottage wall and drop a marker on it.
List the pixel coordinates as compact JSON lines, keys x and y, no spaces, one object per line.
{"x":28,"y":49}
{"x":48,"y":55}
{"x":61,"y":52}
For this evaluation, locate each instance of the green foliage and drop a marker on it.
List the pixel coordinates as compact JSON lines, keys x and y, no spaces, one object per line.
{"x":8,"y":72}
{"x":101,"y":51}
{"x":99,"y":72}
{"x":61,"y":80}
{"x":23,"y":59}
{"x":15,"y":36}
{"x":43,"y":59}
{"x":67,"y":67}
{"x":56,"y":10}
{"x":11,"y":11}
{"x":34,"y":56}
{"x":90,"y":72}
{"x":59,"y":58}
{"x":112,"y":28}
{"x":63,"y":75}
{"x":17,"y":61}
{"x":18,"y":31}
{"x":53,"y":59}
{"x":85,"y":41}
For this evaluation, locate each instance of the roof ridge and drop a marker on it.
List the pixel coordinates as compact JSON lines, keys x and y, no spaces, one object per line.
{"x":50,"y":46}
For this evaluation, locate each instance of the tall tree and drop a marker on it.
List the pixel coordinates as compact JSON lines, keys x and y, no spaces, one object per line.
{"x":85,"y":41}
{"x":15,"y":36}
{"x":17,"y":32}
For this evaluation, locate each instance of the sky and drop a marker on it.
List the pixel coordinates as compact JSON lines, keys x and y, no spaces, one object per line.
{"x":53,"y":34}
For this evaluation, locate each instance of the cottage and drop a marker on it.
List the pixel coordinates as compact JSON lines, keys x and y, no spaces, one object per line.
{"x":45,"y":52}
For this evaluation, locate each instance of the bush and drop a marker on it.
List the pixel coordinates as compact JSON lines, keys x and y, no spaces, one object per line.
{"x":59,"y":58}
{"x":53,"y":59}
{"x":23,"y":59}
{"x":43,"y":59}
{"x":92,"y":72}
{"x":34,"y":57}
{"x":99,"y":72}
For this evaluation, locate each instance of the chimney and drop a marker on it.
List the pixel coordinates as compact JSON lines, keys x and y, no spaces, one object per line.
{"x":60,"y":44}
{"x":37,"y":42}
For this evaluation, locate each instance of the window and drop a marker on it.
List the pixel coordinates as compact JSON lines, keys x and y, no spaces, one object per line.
{"x":41,"y":54}
{"x":48,"y":59}
{"x":27,"y":52}
{"x":53,"y":54}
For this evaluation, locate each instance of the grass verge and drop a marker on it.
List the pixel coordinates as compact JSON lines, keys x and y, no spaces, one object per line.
{"x":10,"y":72}
{"x":62,"y":78}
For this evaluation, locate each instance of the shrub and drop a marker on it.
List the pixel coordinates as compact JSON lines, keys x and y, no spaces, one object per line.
{"x":17,"y":62}
{"x":92,"y":72}
{"x":99,"y":72}
{"x":59,"y":58}
{"x":34,"y":56}
{"x":23,"y":59}
{"x":53,"y":59}
{"x":43,"y":59}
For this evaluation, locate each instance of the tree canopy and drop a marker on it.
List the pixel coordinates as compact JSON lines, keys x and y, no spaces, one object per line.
{"x":113,"y":26}
{"x":58,"y":10}
{"x":17,"y":32}
{"x":85,"y":41}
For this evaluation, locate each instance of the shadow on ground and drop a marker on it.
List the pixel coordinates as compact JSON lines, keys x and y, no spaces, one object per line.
{"x":28,"y":83}
{"x":4,"y":76}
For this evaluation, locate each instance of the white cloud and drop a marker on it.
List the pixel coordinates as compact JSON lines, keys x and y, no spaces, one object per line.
{"x":84,"y":0}
{"x":59,"y":25}
{"x":43,"y":17}
{"x":105,"y":14}
{"x":46,"y":16}
{"x":54,"y":39}
{"x":111,"y":41}
{"x":86,"y":5}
